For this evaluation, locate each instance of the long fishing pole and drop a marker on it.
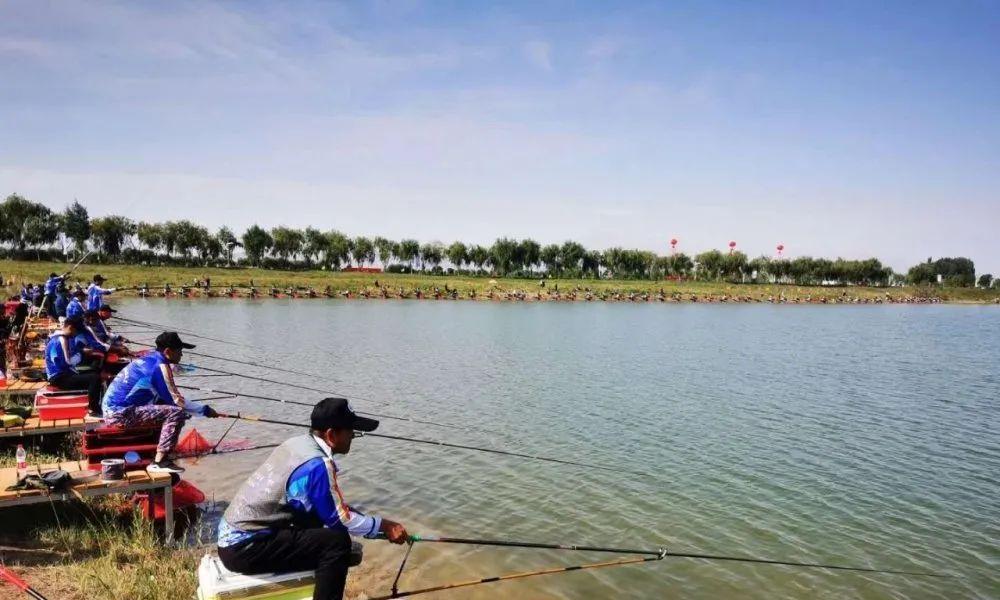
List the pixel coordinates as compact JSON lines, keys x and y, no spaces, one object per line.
{"x":522,"y":575}
{"x":179,"y":330}
{"x":661,"y":552}
{"x":446,"y":445}
{"x":311,"y":404}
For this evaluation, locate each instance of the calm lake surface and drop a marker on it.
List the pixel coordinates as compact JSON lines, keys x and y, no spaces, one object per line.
{"x":865,"y":436}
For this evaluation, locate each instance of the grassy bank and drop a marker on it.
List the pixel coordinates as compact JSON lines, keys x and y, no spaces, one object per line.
{"x":355,"y":283}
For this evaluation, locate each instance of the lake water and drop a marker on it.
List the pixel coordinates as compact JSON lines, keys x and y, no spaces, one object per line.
{"x":864,"y":436}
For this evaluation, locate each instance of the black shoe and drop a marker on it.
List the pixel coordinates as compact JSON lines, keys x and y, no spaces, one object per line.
{"x":164,"y":466}
{"x":96,"y":414}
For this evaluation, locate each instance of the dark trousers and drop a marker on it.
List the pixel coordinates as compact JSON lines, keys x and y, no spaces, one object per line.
{"x":326,"y":551}
{"x":81,"y":381}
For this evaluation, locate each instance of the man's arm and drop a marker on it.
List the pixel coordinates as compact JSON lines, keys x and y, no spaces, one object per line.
{"x":166,"y":389}
{"x":313,"y":487}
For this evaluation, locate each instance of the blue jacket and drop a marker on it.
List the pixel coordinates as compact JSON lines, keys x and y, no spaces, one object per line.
{"x":62,"y":300}
{"x":74,"y":309}
{"x":60,"y":355}
{"x":147,"y":380}
{"x":52,"y":285}
{"x":313,"y":491}
{"x":87,"y":338}
{"x":95,"y":296}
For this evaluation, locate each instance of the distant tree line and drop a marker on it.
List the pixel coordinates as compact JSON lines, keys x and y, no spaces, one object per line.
{"x":32,"y":230}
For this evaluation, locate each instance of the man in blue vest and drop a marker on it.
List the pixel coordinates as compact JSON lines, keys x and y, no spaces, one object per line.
{"x":51,"y":287}
{"x":95,"y":293}
{"x":144,"y":394}
{"x":290,"y":515}
{"x":74,"y":310}
{"x":61,"y":360}
{"x":62,"y":301}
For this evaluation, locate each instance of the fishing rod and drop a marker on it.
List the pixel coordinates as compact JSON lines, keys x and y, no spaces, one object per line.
{"x":663,"y":552}
{"x":19,"y":583}
{"x":511,"y":576}
{"x":179,"y":330}
{"x":446,"y":445}
{"x":311,"y":404}
{"x":651,"y":556}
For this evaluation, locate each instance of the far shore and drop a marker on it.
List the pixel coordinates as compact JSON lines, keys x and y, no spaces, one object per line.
{"x":174,"y":282}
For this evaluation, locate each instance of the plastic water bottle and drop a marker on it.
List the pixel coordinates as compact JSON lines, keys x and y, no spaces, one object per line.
{"x":22,"y":460}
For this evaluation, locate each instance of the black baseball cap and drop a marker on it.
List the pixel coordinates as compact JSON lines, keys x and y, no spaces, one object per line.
{"x":75,"y":322}
{"x":336,"y":413}
{"x":107,"y":308}
{"x":169,"y":340}
{"x":98,"y":277}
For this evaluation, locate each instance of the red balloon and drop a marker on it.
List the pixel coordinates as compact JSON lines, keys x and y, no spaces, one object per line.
{"x":781,"y":247}
{"x":673,"y":242}
{"x":732,"y":244}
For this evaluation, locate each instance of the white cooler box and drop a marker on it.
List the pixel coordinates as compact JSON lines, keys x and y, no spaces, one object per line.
{"x":215,"y":582}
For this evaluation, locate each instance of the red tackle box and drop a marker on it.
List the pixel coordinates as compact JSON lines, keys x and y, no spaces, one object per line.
{"x":52,"y":405}
{"x":115,"y":442}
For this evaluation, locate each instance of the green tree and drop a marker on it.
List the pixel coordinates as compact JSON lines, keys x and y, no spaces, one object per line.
{"x":734,"y":265}
{"x":314,"y":244}
{"x":479,"y":256}
{"x":550,"y":257}
{"x":228,"y":241}
{"x":188,"y":237}
{"x":431,"y":254}
{"x":76,"y":225}
{"x":338,"y":249}
{"x":571,"y":256}
{"x":409,"y":251}
{"x":591,"y":263}
{"x":256,"y":243}
{"x":14,"y":212}
{"x":41,"y":230}
{"x":985,"y":280}
{"x":458,"y":254}
{"x":112,"y":233}
{"x":709,"y":265}
{"x":386,"y":250}
{"x":530,"y":254}
{"x":363,"y":250}
{"x":150,"y":235}
{"x":287,"y":242}
{"x":502,"y":255}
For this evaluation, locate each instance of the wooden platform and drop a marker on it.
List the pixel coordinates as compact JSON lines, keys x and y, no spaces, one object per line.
{"x":36,"y":426}
{"x":18,"y":387}
{"x":87,"y":483}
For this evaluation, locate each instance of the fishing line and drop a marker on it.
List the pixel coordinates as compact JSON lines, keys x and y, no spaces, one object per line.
{"x":447,"y":445}
{"x":312,"y":404}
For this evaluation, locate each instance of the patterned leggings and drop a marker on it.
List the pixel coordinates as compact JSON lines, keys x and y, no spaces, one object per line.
{"x":171,"y":419}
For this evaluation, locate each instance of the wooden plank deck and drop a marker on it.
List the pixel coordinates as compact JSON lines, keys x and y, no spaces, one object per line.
{"x":87,"y":483}
{"x":36,"y":426}
{"x":19,"y":387}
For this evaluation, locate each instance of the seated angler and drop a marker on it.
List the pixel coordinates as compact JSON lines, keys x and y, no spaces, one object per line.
{"x":144,"y":394}
{"x":290,"y":515}
{"x":61,"y":360}
{"x":96,"y":294}
{"x":62,"y":301}
{"x":74,"y":309}
{"x":88,"y":344}
{"x":52,"y":286}
{"x":104,"y":332}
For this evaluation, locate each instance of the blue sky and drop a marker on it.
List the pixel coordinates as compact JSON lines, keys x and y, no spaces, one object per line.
{"x":839,"y":129}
